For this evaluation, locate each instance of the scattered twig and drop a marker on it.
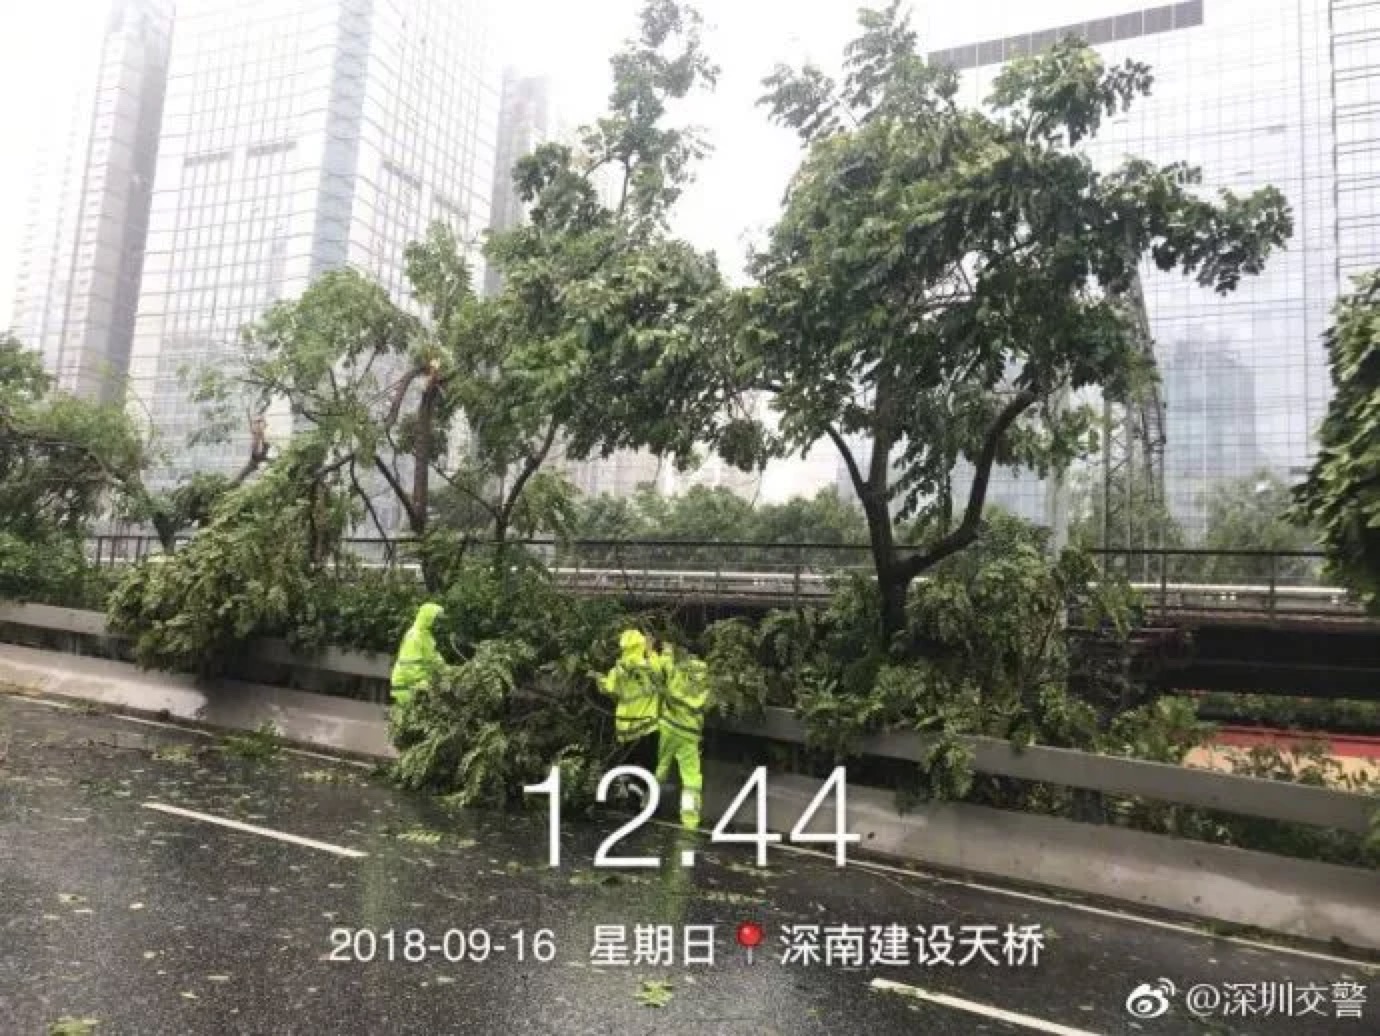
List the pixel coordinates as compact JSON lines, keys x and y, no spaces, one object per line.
{"x":115,"y":744}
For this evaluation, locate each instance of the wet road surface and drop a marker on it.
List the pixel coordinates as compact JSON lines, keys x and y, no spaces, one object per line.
{"x":153,"y":922}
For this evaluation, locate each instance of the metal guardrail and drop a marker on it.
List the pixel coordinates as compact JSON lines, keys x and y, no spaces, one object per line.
{"x":675,"y":584}
{"x":1113,"y":775}
{"x":797,"y":587}
{"x":810,"y":555}
{"x":1274,"y":583}
{"x":1248,"y":796}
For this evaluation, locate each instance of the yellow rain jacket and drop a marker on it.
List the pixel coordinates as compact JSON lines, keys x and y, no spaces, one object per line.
{"x":681,"y":724}
{"x":656,"y":693}
{"x":637,"y":683}
{"x":687,"y":693}
{"x":417,"y":655}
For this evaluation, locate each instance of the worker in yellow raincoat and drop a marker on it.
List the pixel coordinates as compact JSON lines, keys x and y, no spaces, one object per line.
{"x":418,"y":656}
{"x":657,"y":692}
{"x":681,"y":727}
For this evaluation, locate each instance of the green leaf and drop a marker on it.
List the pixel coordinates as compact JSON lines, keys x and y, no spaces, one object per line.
{"x":654,"y":993}
{"x":68,"y":1025}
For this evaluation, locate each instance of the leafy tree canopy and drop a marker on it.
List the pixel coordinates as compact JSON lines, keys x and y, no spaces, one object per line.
{"x":1341,"y":496}
{"x":588,"y":343}
{"x":703,"y":513}
{"x":252,"y":568}
{"x":1140,"y":517}
{"x":1253,"y":513}
{"x":62,"y":459}
{"x":940,"y":276}
{"x":605,"y":312}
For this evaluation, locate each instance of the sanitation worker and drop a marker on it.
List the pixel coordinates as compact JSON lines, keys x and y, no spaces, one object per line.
{"x":657,"y":692}
{"x":417,"y":655}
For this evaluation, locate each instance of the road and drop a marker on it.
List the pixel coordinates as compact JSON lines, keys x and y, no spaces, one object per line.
{"x":153,"y":922}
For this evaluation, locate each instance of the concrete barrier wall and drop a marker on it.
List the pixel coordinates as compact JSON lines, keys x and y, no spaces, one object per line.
{"x":1247,"y":796}
{"x":1302,"y":898}
{"x":327,"y":722}
{"x":1297,"y":897}
{"x":1113,"y":775}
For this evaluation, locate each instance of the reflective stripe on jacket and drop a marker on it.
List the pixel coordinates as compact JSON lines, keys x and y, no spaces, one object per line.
{"x":653,"y":692}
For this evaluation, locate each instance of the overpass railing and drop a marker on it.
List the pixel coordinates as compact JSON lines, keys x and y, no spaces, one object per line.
{"x":1189,"y":579}
{"x":1171,"y":580}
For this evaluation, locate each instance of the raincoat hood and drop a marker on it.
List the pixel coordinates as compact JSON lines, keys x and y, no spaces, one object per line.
{"x":632,"y":642}
{"x":427,"y":615}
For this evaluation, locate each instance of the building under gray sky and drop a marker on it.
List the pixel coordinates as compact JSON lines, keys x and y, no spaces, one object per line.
{"x":524,"y":124}
{"x":1208,"y":385}
{"x":77,"y":280}
{"x":300,"y":136}
{"x":1256,"y":92}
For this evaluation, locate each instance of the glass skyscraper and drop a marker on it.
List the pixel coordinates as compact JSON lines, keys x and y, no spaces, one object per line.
{"x":1256,"y":92}
{"x":79,"y":265}
{"x":300,"y":136}
{"x":524,"y":124}
{"x":1205,"y":380}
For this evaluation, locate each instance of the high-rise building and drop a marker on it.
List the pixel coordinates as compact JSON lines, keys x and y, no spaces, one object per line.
{"x":713,"y":472}
{"x":622,"y":473}
{"x":300,"y":136}
{"x":1256,"y":92}
{"x":524,"y":124}
{"x":79,"y":268}
{"x":1206,"y":390}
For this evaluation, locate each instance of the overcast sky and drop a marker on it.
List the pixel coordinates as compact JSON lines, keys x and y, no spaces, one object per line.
{"x":32,"y":60}
{"x":739,"y":185}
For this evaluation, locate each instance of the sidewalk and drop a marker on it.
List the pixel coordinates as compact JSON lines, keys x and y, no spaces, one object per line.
{"x":1230,"y":758}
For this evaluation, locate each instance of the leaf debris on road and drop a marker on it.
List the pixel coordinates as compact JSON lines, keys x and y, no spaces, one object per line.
{"x":655,"y":992}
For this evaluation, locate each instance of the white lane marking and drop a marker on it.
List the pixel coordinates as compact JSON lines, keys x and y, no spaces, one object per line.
{"x":883,"y":868}
{"x":1115,"y":915}
{"x":20,"y":696}
{"x":885,"y":985}
{"x":253,"y":829}
{"x":327,"y":758}
{"x":158,"y":723}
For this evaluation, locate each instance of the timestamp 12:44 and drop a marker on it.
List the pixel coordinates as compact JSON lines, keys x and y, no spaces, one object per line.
{"x":756,"y":786}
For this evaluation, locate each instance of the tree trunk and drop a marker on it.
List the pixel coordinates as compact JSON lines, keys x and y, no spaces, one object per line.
{"x":167,"y":531}
{"x":421,"y":460}
{"x":891,"y":582}
{"x":894,"y":583}
{"x":893,"y":589}
{"x":500,"y":540}
{"x":418,"y":514}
